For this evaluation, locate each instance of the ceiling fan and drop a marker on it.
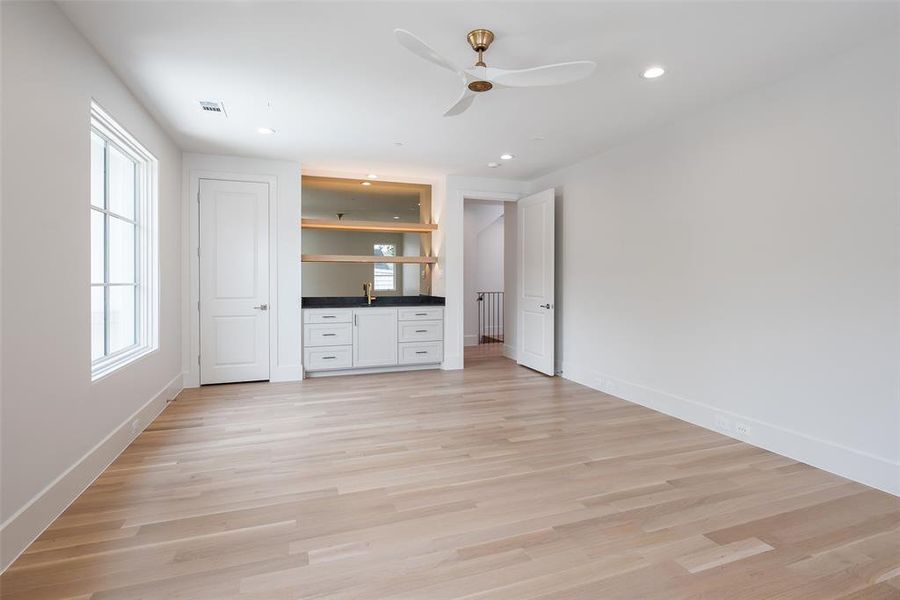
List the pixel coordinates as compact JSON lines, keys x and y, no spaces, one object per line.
{"x":482,"y":78}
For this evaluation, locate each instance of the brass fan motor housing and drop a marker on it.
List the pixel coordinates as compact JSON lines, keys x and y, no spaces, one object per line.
{"x":480,"y":39}
{"x":480,"y":86}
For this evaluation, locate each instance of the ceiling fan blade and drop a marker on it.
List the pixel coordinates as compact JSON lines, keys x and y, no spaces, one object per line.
{"x":557,"y":74}
{"x":463,"y":103}
{"x":423,"y":50}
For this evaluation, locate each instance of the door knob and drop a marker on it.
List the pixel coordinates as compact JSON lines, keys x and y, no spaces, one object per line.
{"x":546,"y":306}
{"x":262,"y":307}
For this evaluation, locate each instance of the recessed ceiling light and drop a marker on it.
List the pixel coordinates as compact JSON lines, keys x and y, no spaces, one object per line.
{"x":538,"y":138}
{"x":653,"y":72}
{"x":372,"y":176}
{"x":493,"y":165}
{"x":398,"y":143}
{"x":366,"y":183}
{"x":266,"y":130}
{"x":396,"y":217}
{"x":507,"y":156}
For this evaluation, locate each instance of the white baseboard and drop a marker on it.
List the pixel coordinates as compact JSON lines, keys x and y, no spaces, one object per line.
{"x":452,"y":363}
{"x":875,"y":471}
{"x":510,"y":352}
{"x":23,"y":527}
{"x":470,"y":340}
{"x":372,"y":370}
{"x":190,"y":379}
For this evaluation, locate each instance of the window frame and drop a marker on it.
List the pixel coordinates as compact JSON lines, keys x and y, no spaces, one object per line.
{"x":393,"y":266}
{"x":146,"y":259}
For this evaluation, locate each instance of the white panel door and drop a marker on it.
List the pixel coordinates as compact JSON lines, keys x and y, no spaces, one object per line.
{"x":374,"y":337}
{"x":234,"y":281}
{"x":536,"y":318}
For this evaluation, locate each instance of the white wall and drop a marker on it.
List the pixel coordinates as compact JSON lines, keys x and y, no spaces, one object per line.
{"x":744,"y":262}
{"x":489,"y":245}
{"x":483,"y":258}
{"x":59,"y":430}
{"x":285,"y":362}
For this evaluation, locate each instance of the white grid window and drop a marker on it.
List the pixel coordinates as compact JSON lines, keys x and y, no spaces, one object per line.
{"x":124,"y":277}
{"x":385,"y":273}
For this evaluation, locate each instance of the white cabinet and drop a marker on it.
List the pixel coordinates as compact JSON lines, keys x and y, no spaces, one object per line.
{"x":412,"y":353}
{"x":327,"y":315}
{"x":420,"y":331}
{"x":327,"y":334}
{"x":337,"y":341}
{"x":327,"y":339}
{"x":328,"y":357}
{"x":374,"y":337}
{"x":419,"y":313}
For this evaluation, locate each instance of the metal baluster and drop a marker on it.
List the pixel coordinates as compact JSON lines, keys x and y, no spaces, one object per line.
{"x":480,"y":302}
{"x":496,"y":315}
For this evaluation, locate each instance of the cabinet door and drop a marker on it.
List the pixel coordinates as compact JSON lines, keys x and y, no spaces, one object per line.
{"x":374,"y":337}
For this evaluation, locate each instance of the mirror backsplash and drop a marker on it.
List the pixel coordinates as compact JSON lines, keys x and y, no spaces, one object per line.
{"x":349,"y":200}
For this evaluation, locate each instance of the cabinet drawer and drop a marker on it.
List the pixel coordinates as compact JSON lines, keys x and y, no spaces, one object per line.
{"x":326,"y":334}
{"x":321,"y":359}
{"x":413,"y":353}
{"x":420,"y":331}
{"x":421,"y":314}
{"x":327,"y":315}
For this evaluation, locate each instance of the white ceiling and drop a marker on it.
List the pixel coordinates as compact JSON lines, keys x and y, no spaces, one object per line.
{"x":342,"y":91}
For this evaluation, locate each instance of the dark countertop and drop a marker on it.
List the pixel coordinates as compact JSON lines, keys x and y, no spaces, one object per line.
{"x":360,"y":301}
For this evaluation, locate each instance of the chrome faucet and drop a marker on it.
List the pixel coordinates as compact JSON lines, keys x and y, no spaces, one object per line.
{"x":367,"y":289}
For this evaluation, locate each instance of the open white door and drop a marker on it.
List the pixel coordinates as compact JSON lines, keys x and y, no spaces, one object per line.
{"x":536,"y":318}
{"x":234,"y":281}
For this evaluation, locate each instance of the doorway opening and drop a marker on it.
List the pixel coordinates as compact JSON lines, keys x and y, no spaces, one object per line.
{"x":484,"y":288}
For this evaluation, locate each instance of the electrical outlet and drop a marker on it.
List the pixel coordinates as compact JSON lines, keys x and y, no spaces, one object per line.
{"x":723,"y":423}
{"x":135,"y":426}
{"x":742,"y":429}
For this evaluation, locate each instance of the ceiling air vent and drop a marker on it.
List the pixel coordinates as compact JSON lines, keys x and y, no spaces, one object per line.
{"x":214,"y":107}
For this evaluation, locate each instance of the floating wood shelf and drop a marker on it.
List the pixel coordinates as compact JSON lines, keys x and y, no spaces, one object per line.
{"x":349,"y":258}
{"x":381,"y":226}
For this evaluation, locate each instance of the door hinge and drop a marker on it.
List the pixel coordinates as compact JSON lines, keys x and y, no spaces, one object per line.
{"x":198,"y":359}
{"x":198,"y":306}
{"x":198,"y":251}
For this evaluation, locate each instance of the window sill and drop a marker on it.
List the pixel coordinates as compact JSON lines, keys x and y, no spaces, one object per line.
{"x":110,"y":364}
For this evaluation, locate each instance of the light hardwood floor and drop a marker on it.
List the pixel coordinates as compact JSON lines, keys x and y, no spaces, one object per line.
{"x":493,"y":482}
